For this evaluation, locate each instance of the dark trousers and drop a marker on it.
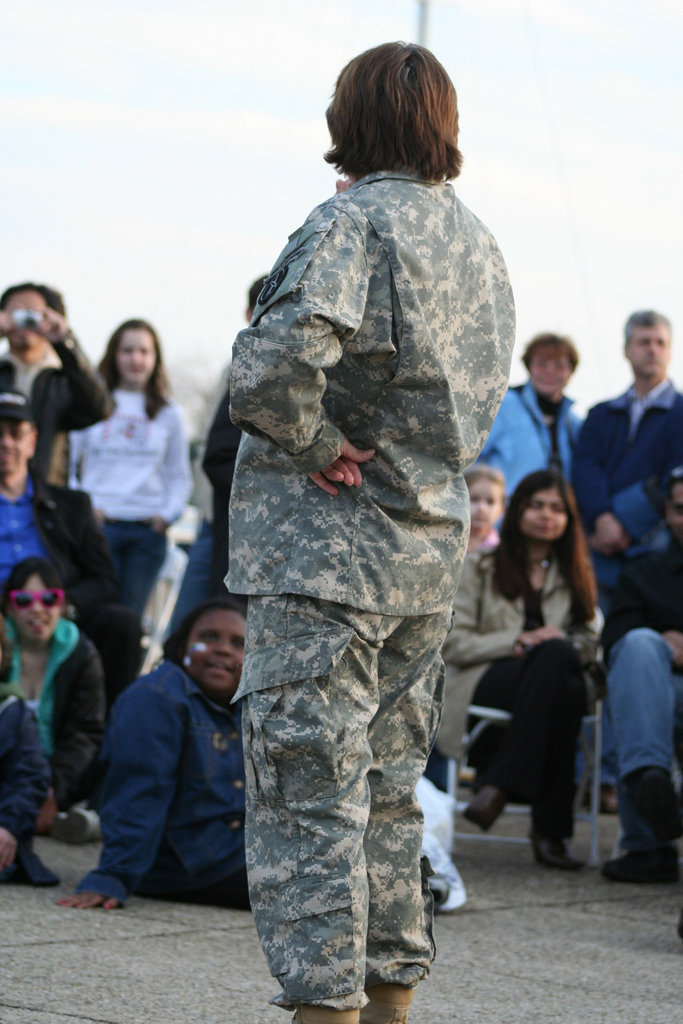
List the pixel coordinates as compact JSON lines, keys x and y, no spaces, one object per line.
{"x":232,"y":891}
{"x":532,"y":759}
{"x":115,"y":632}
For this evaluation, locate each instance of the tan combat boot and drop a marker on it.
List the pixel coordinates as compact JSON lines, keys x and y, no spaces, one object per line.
{"x":388,"y":1004}
{"x":306,"y":1014}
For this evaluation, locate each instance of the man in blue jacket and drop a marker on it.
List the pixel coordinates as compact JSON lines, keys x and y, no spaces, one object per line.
{"x":625,"y":452}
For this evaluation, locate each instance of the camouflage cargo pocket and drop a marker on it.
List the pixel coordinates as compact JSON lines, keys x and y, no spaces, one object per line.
{"x":313,"y":944}
{"x":296,"y":731}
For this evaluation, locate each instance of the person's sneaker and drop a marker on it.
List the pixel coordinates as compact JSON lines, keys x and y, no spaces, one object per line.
{"x":77,"y":825}
{"x":655,"y":799}
{"x":448,"y":888}
{"x":660,"y":865}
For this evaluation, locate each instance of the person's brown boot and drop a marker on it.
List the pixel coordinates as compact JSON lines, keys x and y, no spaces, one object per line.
{"x":307,"y":1014}
{"x":389,"y":1004}
{"x":484,"y":808}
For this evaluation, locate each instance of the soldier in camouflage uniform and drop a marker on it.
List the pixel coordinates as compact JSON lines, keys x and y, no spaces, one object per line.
{"x":382,"y":339}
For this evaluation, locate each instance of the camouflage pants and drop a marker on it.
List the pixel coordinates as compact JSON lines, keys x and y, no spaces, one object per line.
{"x":340,"y":711}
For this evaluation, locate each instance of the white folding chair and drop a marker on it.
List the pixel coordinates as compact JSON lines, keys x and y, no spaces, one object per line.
{"x":162,"y":602}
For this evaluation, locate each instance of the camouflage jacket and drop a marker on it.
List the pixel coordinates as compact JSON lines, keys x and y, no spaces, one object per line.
{"x":388,"y":319}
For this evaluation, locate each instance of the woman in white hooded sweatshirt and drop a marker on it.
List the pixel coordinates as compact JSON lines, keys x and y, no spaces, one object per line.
{"x":135,"y":465}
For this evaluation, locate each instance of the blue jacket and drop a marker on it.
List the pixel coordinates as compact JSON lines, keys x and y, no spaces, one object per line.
{"x":628,"y":478}
{"x":520,"y":441}
{"x":172,"y":804}
{"x":24,"y":782}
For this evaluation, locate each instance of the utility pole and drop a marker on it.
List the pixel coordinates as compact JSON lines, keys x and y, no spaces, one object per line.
{"x":422,"y":14}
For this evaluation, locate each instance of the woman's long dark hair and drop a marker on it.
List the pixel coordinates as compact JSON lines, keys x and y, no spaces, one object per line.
{"x":570,"y":550}
{"x":176,"y":644}
{"x":157,"y":390}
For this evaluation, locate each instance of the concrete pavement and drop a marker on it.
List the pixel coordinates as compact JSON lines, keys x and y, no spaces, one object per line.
{"x":530,"y":945}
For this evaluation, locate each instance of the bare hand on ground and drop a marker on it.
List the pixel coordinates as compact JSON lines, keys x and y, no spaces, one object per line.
{"x":86,"y":900}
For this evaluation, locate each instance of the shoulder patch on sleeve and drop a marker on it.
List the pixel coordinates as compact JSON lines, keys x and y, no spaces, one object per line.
{"x":291,"y":265}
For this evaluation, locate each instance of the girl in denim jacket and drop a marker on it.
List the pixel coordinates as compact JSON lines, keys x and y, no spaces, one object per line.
{"x":172,"y":805}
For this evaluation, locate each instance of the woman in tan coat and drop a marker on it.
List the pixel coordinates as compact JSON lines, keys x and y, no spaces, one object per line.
{"x":524,"y":622}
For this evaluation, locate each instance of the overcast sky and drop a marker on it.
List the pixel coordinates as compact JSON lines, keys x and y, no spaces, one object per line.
{"x":156,"y":155}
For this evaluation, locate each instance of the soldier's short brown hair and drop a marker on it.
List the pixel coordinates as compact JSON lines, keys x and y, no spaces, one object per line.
{"x":395,"y":108}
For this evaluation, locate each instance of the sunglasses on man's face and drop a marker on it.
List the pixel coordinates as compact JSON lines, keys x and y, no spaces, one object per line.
{"x":49,"y":597}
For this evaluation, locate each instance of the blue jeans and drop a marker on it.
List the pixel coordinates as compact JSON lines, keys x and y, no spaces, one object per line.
{"x":138,"y":553}
{"x":646,"y":707}
{"x":196,"y":585}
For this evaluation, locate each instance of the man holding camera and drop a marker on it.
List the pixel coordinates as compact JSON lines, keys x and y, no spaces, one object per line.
{"x":46,"y":364}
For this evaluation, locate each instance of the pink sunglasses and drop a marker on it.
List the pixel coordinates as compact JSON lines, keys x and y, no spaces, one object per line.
{"x":21,"y":599}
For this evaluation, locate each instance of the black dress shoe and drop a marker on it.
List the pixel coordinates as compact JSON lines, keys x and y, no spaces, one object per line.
{"x":484,"y":808}
{"x":659,"y":865}
{"x":655,"y":799}
{"x":553,"y":853}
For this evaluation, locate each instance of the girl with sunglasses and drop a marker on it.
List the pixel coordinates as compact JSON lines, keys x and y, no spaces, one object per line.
{"x":61,"y":679}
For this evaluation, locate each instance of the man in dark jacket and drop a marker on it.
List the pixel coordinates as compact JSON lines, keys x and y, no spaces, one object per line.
{"x":58,"y":524}
{"x":625,"y":451}
{"x":643,"y":640}
{"x":46,"y":364}
{"x":219,"y":465}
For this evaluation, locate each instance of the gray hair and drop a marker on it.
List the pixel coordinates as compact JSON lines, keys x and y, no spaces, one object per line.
{"x":645,"y":318}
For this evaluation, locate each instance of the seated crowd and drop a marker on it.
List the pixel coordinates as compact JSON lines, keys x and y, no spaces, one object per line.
{"x":94,"y":468}
{"x":77,"y":567}
{"x":623,"y":460}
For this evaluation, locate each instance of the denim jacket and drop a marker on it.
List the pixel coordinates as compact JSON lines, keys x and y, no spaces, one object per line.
{"x":172,"y":804}
{"x":24,"y":781}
